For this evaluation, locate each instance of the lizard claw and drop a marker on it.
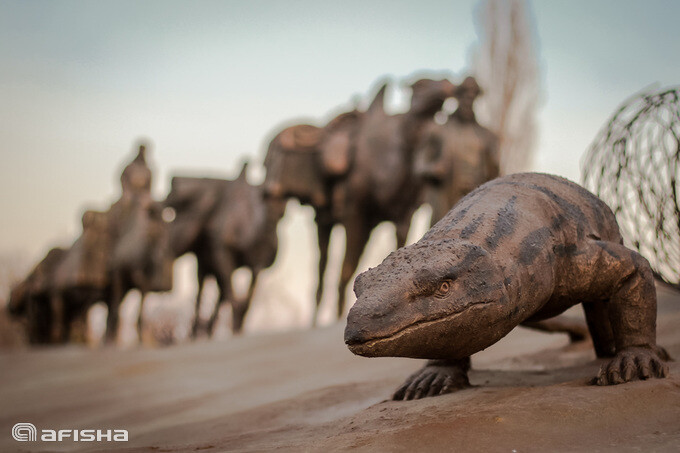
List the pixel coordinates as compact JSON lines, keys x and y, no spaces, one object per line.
{"x":632,"y":364}
{"x":432,"y":380}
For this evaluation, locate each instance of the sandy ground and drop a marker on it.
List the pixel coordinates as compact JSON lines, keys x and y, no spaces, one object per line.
{"x":304,"y":391}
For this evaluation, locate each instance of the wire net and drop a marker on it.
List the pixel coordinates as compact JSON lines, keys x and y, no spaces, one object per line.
{"x":634,"y":165}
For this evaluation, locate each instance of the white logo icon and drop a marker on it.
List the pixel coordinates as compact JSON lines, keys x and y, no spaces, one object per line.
{"x":24,"y":432}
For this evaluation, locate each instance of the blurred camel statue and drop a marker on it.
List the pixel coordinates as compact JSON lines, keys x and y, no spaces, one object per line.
{"x":356,"y":171}
{"x":226,"y":224}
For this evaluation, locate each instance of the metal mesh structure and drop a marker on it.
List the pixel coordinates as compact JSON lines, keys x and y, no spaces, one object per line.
{"x":634,"y":166}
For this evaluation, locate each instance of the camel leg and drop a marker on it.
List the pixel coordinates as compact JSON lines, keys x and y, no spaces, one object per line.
{"x":197,"y":318}
{"x":402,"y":228}
{"x":77,"y":325}
{"x":141,"y":284}
{"x":141,"y":315}
{"x":358,"y":233}
{"x":239,"y":309}
{"x":438,"y":203}
{"x":58,"y":325}
{"x":39,"y":321}
{"x":324,"y":233}
{"x":224,"y":267}
{"x":114,"y":307}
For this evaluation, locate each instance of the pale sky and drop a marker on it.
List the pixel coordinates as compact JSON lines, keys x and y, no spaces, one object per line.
{"x":210,"y":82}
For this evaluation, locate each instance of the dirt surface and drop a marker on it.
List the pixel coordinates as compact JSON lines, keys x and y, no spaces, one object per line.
{"x":304,"y":391}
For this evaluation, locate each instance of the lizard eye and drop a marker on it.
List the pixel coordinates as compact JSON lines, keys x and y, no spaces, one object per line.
{"x":444,"y":288}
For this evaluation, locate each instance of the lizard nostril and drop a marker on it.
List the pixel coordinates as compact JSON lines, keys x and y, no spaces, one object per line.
{"x":353,"y":335}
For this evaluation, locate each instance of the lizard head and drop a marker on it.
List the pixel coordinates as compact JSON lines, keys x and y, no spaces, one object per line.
{"x":436,"y":299}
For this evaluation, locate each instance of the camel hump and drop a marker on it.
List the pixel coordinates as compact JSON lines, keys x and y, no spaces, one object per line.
{"x":337,"y":144}
{"x":303,"y":137}
{"x":293,"y":169}
{"x":336,"y":153}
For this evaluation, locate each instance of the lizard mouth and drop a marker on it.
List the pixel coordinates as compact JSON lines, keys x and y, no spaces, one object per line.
{"x":372,"y":346}
{"x":447,"y":336}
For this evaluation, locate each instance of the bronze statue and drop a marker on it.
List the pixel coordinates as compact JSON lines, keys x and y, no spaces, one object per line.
{"x":357,"y":172}
{"x":30,"y":300}
{"x":226,"y":224}
{"x":140,"y":256}
{"x":306,"y":162}
{"x":458,"y":156}
{"x":381,"y":185}
{"x":520,"y":248}
{"x":119,"y":250}
{"x":58,"y":292}
{"x":67,"y":282}
{"x":141,"y":259}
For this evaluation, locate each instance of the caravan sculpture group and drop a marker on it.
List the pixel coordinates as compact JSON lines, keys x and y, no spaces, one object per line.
{"x":362,"y":168}
{"x":226,"y":224}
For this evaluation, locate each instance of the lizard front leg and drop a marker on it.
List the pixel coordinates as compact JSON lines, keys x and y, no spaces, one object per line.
{"x":437,"y":377}
{"x":632,"y":315}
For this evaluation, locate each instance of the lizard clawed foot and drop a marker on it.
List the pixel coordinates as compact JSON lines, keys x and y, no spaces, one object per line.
{"x":433,"y":380}
{"x":632,"y":364}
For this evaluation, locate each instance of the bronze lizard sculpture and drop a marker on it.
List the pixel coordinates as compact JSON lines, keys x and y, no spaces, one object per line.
{"x":520,"y":248}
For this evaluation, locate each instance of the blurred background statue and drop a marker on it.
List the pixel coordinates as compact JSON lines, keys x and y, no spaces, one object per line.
{"x":634,"y":165}
{"x":54,"y":298}
{"x":365,"y":167}
{"x":226,"y":225}
{"x":306,"y":162}
{"x":381,"y":185}
{"x":119,"y":250}
{"x":140,"y":257}
{"x":456,"y":157}
{"x":356,"y":171}
{"x":31,"y":301}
